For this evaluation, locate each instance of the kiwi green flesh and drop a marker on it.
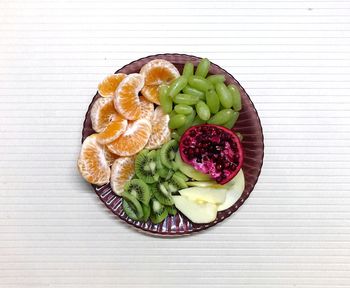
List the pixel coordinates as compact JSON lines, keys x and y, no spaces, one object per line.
{"x":176,"y":183}
{"x":171,"y":210}
{"x":139,"y":190}
{"x":162,"y":171}
{"x":145,"y":166}
{"x":161,"y":193}
{"x":134,"y":204}
{"x":146,"y":212}
{"x":158,"y":212}
{"x":181,"y":175}
{"x":168,"y":153}
{"x":127,"y":207}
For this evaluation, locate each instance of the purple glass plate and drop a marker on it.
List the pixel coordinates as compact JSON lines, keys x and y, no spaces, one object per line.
{"x":248,"y":125}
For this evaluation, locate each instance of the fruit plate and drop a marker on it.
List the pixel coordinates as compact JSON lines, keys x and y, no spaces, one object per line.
{"x":248,"y":125}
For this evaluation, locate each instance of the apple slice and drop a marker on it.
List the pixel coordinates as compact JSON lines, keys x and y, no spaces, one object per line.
{"x":196,"y":212}
{"x":211,"y":195}
{"x":235,"y":189}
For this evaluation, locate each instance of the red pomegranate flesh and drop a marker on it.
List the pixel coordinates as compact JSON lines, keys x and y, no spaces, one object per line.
{"x":213,"y":150}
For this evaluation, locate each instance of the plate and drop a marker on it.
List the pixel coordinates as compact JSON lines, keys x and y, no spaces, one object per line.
{"x":248,"y":125}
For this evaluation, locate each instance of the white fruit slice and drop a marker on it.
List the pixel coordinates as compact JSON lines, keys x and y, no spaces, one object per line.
{"x":197,"y":213}
{"x":211,"y":195}
{"x":204,"y":184}
{"x":235,"y":189}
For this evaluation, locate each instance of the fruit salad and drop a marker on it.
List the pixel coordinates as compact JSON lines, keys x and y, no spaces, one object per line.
{"x":165,"y":142}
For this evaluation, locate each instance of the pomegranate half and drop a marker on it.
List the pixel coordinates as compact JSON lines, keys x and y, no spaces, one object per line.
{"x":213,"y":150}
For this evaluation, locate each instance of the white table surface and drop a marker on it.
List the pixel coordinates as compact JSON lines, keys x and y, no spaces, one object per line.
{"x":293,"y":58}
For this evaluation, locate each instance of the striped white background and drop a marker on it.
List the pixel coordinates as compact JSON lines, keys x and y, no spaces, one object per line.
{"x":293,"y":58}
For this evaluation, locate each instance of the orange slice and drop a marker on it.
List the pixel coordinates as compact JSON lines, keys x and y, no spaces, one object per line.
{"x":147,"y":109}
{"x":112,"y":131}
{"x":92,"y":163}
{"x":102,"y":113}
{"x":133,"y":140}
{"x":160,"y":130}
{"x":126,"y":99}
{"x":123,"y":169}
{"x":110,"y":157}
{"x":156,"y":73}
{"x":107,"y":87}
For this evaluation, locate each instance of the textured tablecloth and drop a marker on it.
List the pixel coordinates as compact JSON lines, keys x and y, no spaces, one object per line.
{"x":292,"y":57}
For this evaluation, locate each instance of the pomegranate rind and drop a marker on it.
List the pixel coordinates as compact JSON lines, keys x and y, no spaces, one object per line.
{"x":207,"y":166}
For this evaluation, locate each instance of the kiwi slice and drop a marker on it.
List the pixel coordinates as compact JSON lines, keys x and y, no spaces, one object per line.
{"x":162,"y":171}
{"x":176,"y":183}
{"x":168,"y":153}
{"x":132,"y":206}
{"x":162,"y":194}
{"x":145,"y":166}
{"x":158,"y":212}
{"x":139,"y":190}
{"x":169,"y":175}
{"x":171,"y":210}
{"x":181,"y":175}
{"x":146,"y":212}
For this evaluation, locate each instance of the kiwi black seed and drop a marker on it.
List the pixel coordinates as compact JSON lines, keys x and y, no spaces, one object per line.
{"x":146,"y":212}
{"x":162,"y":194}
{"x":132,"y":206}
{"x":162,"y":171}
{"x":171,"y":210}
{"x":158,"y":211}
{"x":176,"y":183}
{"x":138,"y":189}
{"x":168,"y":152}
{"x":145,"y":166}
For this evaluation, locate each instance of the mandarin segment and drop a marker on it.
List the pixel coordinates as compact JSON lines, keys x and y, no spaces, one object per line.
{"x":110,"y":156}
{"x":156,"y":73}
{"x":160,"y":130}
{"x":107,"y":87}
{"x":92,"y":163}
{"x":133,"y":140}
{"x":147,"y":109}
{"x":112,"y":131}
{"x":123,"y":169}
{"x":126,"y":99}
{"x":102,"y":113}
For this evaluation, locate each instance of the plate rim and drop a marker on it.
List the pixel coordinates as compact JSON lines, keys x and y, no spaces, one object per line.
{"x":204,"y":227}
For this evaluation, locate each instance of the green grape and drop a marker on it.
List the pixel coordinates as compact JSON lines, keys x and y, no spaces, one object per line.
{"x":231,"y":122}
{"x":189,"y":90}
{"x":165,"y":101}
{"x":224,"y":95}
{"x":236,"y":97}
{"x":221,"y":117}
{"x":213,"y":101}
{"x":203,"y":110}
{"x":177,"y":121}
{"x":183,"y":109}
{"x":203,"y":68}
{"x":176,"y":86}
{"x":199,"y":83}
{"x":188,"y":123}
{"x":175,"y":136}
{"x":213,"y":79}
{"x":186,"y":99}
{"x":197,"y":121}
{"x":172,"y":114}
{"x":188,"y":70}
